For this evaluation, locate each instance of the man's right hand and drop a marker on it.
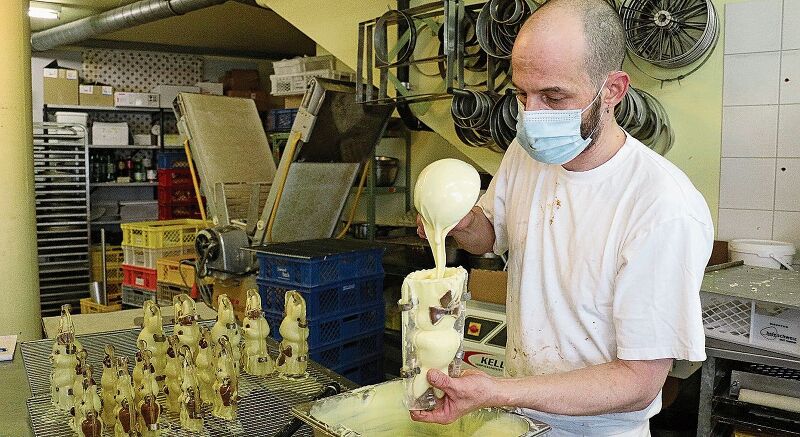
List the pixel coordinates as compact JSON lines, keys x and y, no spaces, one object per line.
{"x":462,"y":224}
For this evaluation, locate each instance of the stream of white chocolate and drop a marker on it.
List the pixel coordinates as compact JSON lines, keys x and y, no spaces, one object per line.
{"x":445,"y":192}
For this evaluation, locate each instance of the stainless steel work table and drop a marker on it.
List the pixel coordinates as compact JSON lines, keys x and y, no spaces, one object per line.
{"x":723,"y":350}
{"x":778,"y":286}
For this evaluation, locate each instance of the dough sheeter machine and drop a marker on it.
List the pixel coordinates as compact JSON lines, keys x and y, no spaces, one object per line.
{"x":250,"y":201}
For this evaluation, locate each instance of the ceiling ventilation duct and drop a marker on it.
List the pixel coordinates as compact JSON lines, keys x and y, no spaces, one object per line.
{"x":134,"y":14}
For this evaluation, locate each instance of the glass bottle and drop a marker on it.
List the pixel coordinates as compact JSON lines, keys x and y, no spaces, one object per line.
{"x":138,"y":169}
{"x":111,"y":169}
{"x":94,"y":168}
{"x":122,"y":170}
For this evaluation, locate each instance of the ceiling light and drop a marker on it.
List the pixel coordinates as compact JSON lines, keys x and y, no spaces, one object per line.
{"x":44,"y":11}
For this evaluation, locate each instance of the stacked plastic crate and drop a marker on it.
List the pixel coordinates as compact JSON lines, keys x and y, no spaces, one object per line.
{"x":114,"y":259}
{"x":176,"y":195}
{"x":113,"y":280}
{"x":143,"y":244}
{"x":293,"y":75}
{"x":176,"y":275}
{"x":342,"y":283}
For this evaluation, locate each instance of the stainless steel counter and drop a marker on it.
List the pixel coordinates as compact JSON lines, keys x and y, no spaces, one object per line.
{"x":723,"y":350}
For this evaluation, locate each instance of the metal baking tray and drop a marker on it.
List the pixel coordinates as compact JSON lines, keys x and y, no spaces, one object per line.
{"x":378,"y":410}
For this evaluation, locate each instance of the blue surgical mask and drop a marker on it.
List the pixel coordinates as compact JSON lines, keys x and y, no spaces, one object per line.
{"x":553,"y":136}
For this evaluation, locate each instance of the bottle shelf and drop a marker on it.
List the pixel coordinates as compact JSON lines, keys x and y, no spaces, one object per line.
{"x":124,"y":184}
{"x":127,"y":146}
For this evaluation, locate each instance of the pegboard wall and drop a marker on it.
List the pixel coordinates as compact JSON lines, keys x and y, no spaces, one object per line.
{"x":135,"y":71}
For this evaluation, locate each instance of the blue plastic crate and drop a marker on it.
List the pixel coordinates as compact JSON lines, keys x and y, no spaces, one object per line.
{"x":281,"y":120}
{"x":365,"y":372}
{"x":338,"y":329}
{"x":311,"y":270}
{"x":169,"y":159}
{"x":325,"y":301}
{"x":350,"y":351}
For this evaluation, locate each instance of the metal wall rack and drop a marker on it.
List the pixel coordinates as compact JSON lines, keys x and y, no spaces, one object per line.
{"x":61,"y":185}
{"x":370,"y":57}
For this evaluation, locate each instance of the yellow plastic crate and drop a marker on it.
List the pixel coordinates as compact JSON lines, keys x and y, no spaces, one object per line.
{"x":166,"y":292}
{"x":161,"y":234}
{"x":88,"y":306}
{"x":114,"y":255}
{"x":114,"y":291}
{"x":170,"y":271}
{"x":113,"y":273}
{"x":115,"y":297}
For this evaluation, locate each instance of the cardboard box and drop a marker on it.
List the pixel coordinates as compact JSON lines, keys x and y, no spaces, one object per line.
{"x":236,"y":290}
{"x":261,"y":98}
{"x":81,"y":118}
{"x":96,"y":95}
{"x":292,"y":102}
{"x":145,"y":100}
{"x":174,"y":140}
{"x":60,"y":85}
{"x":167,"y":93}
{"x":488,"y":286}
{"x":110,"y":134}
{"x":242,"y":80}
{"x":212,"y":88}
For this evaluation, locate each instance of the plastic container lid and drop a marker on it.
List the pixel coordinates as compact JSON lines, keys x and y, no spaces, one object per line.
{"x":763,"y":248}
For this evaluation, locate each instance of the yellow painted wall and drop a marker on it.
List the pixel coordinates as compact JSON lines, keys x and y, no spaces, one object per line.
{"x":694,"y":105}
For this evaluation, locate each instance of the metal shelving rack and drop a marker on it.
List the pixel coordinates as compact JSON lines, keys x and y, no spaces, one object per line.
{"x":395,"y":129}
{"x":61,"y":184}
{"x":157,"y":114}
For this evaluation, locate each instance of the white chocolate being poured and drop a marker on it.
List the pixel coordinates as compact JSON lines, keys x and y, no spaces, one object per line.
{"x":445,"y":192}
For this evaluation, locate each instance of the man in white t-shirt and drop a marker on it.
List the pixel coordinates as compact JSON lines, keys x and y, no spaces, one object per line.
{"x":607,"y":242}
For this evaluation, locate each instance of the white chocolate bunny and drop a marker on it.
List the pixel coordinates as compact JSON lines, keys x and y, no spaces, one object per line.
{"x":293,"y":353}
{"x":255,"y":329}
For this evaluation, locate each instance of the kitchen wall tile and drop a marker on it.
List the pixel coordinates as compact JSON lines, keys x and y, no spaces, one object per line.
{"x":789,"y":131}
{"x":751,"y":79}
{"x":753,"y":26}
{"x":790,"y":76}
{"x":744,"y":223}
{"x":787,"y":184}
{"x":791,"y":24}
{"x":749,"y":131}
{"x":787,"y":228}
{"x":747,"y":183}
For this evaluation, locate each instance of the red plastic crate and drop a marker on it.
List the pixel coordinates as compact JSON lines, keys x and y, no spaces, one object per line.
{"x":140,"y":277}
{"x":176,"y":196}
{"x":175,"y":177}
{"x":169,"y":212}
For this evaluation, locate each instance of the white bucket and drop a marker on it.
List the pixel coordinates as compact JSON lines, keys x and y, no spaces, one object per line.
{"x":762,"y":253}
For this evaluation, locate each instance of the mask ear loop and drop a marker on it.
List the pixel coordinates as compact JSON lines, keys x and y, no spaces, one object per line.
{"x":595,"y":96}
{"x":597,"y":126}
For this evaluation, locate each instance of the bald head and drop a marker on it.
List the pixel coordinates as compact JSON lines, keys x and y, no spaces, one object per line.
{"x":594,"y":24}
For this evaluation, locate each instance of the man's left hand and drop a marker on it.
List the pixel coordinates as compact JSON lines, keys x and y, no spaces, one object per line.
{"x":462,"y":395}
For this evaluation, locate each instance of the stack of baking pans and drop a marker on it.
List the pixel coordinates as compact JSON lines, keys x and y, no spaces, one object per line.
{"x":645,"y":119}
{"x":498,"y":24}
{"x":471,"y":111}
{"x":503,"y":121}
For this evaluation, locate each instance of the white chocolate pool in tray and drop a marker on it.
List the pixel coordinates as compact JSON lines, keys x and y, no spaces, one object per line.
{"x":378,"y":411}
